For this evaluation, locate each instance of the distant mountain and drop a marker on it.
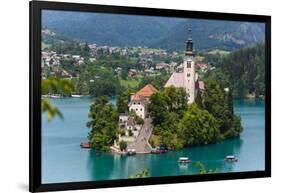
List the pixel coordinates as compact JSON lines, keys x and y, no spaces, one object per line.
{"x":214,"y":34}
{"x":52,"y":36}
{"x":109,"y":29}
{"x":168,"y":33}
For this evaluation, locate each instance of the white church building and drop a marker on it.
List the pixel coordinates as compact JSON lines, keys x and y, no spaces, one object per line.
{"x":188,"y":78}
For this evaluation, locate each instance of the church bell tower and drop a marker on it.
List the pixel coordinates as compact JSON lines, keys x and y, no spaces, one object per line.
{"x":189,"y":69}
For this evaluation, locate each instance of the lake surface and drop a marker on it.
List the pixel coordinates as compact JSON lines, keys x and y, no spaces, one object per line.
{"x":64,"y":161}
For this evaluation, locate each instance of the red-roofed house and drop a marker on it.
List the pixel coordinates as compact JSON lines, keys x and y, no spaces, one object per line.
{"x":140,"y":100}
{"x":202,"y":67}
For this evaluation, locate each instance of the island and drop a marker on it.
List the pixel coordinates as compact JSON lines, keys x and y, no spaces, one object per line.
{"x":190,"y":109}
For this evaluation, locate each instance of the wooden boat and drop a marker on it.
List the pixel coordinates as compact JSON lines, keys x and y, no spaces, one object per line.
{"x":230,"y":158}
{"x":184,"y":160}
{"x":85,"y":145}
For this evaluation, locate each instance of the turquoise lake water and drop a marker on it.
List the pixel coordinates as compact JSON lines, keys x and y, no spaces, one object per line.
{"x":64,"y":161}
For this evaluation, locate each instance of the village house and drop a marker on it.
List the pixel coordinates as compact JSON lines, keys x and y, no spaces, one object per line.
{"x":138,"y":104}
{"x":50,"y":58}
{"x":161,"y":65}
{"x":129,"y":125}
{"x":140,"y":100}
{"x":202,"y":67}
{"x":132,"y":72}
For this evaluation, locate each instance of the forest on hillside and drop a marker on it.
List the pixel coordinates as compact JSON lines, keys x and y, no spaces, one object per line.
{"x":243,"y":70}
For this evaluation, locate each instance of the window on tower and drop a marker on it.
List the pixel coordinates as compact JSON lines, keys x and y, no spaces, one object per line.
{"x":188,"y":75}
{"x":188,"y":65}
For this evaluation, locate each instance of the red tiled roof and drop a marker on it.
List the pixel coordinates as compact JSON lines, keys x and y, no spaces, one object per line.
{"x":202,"y":66}
{"x":147,"y":91}
{"x":136,"y":97}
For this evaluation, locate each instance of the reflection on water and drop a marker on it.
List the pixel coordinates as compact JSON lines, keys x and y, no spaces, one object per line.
{"x":64,"y":161}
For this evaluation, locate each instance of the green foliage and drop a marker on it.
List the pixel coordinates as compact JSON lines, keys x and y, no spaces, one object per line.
{"x":169,"y":133}
{"x":123,"y":145}
{"x":203,"y":170}
{"x":142,"y":174}
{"x":50,"y":109}
{"x":166,"y":108}
{"x":242,"y":70}
{"x":157,"y":81}
{"x":103,"y":87}
{"x":71,"y":47}
{"x":199,"y":99}
{"x":218,"y":102}
{"x":122,"y":132}
{"x":130,"y":132}
{"x":103,"y":123}
{"x":123,"y":100}
{"x":168,"y":100}
{"x":99,"y":81}
{"x":198,"y":127}
{"x":154,"y":31}
{"x":56,"y":86}
{"x":207,"y":121}
{"x":138,"y":120}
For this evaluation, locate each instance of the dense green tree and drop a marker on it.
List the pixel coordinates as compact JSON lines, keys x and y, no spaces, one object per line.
{"x":166,"y":108}
{"x":218,"y":101}
{"x":103,"y":123}
{"x":122,"y":145}
{"x":123,"y":100}
{"x":170,"y":99}
{"x":215,"y":102}
{"x":242,"y":70}
{"x":169,"y":133}
{"x":199,"y":127}
{"x":157,"y":81}
{"x":199,"y":99}
{"x":101,"y":81}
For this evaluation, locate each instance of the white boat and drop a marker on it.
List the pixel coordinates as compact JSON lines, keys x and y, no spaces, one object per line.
{"x":55,"y":96}
{"x":45,"y":96}
{"x":76,"y":95}
{"x":230,"y":158}
{"x":184,"y":160}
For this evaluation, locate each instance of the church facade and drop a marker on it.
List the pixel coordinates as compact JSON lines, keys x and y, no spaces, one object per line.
{"x":187,"y":79}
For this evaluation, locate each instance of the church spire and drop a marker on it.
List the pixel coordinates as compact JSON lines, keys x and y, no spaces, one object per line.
{"x":189,"y":44}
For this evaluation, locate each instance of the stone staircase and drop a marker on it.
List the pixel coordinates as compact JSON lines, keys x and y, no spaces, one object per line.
{"x":141,"y":145}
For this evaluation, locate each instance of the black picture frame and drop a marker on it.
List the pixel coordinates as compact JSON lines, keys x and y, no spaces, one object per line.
{"x":35,"y":184}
